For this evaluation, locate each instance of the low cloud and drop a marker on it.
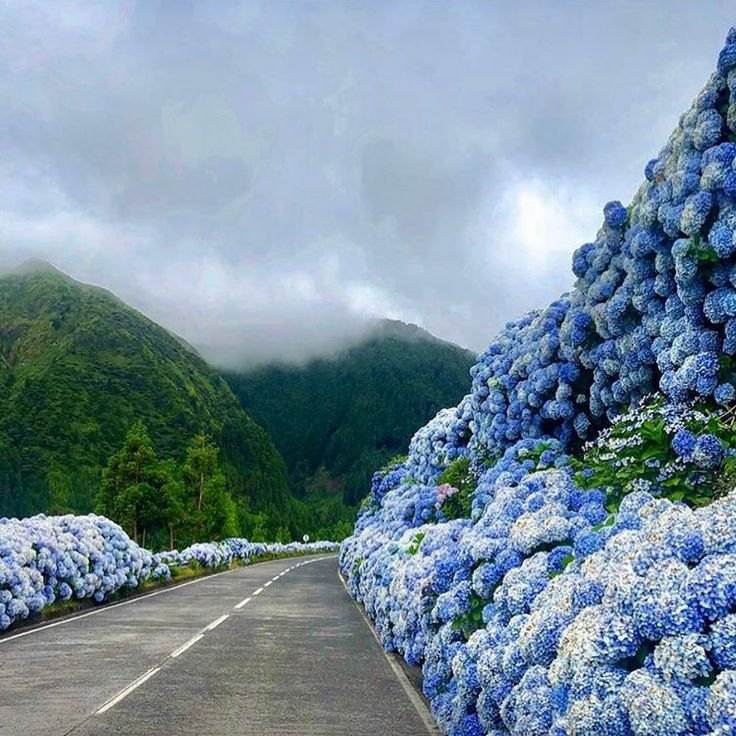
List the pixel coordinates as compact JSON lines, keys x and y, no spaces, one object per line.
{"x":265,"y":178}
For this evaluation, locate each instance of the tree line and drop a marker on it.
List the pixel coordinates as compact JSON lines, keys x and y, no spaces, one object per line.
{"x":165,"y":504}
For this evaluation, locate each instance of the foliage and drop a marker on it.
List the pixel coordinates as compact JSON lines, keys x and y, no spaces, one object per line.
{"x":462,"y":483}
{"x":644,"y":450}
{"x":413,"y":548}
{"x":208,"y":504}
{"x":371,"y":398}
{"x":164,"y":504}
{"x":77,"y":369}
{"x":139,"y":492}
{"x":395,"y":462}
{"x":472,"y":620}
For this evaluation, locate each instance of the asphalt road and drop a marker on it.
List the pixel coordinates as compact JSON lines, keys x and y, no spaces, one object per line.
{"x":295,"y":659}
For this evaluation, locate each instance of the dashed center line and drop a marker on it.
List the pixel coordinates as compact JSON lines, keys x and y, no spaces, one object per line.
{"x":183,"y":648}
{"x":125,"y":692}
{"x":186,"y":646}
{"x":217,"y":622}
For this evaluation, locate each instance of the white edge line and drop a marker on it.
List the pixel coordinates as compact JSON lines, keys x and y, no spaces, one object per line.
{"x":110,"y":606}
{"x":126,"y":691}
{"x":257,"y":592}
{"x":136,"y":599}
{"x":242,"y":603}
{"x":216,"y":622}
{"x":419,"y":705}
{"x":186,"y":646}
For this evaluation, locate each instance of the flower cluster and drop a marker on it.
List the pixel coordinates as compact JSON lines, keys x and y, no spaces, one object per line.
{"x":680,"y":450}
{"x":238,"y":549}
{"x":45,"y":559}
{"x":571,"y":614}
{"x":639,"y":635}
{"x":582,"y":596}
{"x":440,"y":441}
{"x":654,"y":305}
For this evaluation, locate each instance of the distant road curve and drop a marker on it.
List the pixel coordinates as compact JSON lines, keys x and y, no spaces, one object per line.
{"x":275,"y":649}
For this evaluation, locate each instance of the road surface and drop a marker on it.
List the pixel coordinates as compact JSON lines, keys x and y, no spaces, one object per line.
{"x":278,"y":648}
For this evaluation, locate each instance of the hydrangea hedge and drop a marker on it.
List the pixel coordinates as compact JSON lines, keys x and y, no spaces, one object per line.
{"x":559,"y":551}
{"x":57,"y":558}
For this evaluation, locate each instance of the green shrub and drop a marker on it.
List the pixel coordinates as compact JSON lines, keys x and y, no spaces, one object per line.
{"x":458,"y":475}
{"x":637,"y":453}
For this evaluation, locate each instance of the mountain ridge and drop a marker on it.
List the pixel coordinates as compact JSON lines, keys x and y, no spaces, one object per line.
{"x":79,"y":366}
{"x":396,"y":378}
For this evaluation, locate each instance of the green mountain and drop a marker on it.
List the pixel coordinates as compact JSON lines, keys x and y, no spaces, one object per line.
{"x":335,"y":420}
{"x":78,"y":368}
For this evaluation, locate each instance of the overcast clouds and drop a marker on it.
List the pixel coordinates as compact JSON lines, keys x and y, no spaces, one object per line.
{"x":260,"y":176}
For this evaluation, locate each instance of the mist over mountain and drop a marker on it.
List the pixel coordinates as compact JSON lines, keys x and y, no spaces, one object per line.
{"x":297,"y":442}
{"x":77,"y":368}
{"x":264,"y":179}
{"x":337,"y":419}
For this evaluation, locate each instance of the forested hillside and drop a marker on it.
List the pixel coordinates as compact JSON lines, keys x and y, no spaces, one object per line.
{"x":335,"y":420}
{"x":78,"y":368}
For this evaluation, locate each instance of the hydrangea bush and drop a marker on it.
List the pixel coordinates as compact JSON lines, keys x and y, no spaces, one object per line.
{"x":684,"y":451}
{"x":558,"y":552}
{"x":57,"y":558}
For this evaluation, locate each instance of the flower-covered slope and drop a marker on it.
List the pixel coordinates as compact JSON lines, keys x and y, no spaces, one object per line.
{"x":559,"y":551}
{"x":46,"y":559}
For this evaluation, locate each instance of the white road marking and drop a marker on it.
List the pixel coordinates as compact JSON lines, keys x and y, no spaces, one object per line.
{"x":110,"y":606}
{"x":186,"y":646}
{"x":416,"y":701}
{"x":216,"y":622}
{"x":128,"y":690}
{"x":150,"y":673}
{"x":268,"y":583}
{"x":137,"y":599}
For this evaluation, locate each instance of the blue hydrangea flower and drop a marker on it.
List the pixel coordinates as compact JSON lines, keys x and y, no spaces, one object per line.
{"x":542,"y":614}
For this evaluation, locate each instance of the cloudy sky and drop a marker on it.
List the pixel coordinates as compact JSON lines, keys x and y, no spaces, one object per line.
{"x":261,"y":177}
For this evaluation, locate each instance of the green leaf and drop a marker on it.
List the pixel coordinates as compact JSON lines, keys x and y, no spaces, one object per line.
{"x":609,"y":521}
